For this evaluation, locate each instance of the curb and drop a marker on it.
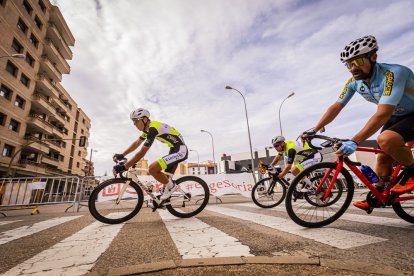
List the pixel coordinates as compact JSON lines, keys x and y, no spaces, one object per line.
{"x":223,"y":261}
{"x":219,"y":261}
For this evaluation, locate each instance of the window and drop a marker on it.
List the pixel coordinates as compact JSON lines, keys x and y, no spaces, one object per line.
{"x":17,"y":46}
{"x":11,"y":68}
{"x":14,"y":125}
{"x":34,"y":40}
{"x":25,"y":80}
{"x":29,"y":59}
{"x":77,"y":165}
{"x":5,"y":92}
{"x":19,"y":102}
{"x":79,"y":153}
{"x":3,"y":118}
{"x":8,"y":150}
{"x":2,"y":2}
{"x":27,"y":7}
{"x":22,"y":26}
{"x":42,"y":6}
{"x":82,"y":132}
{"x":38,"y":23}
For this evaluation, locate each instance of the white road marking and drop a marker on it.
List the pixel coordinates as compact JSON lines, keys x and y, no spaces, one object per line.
{"x":8,"y":222}
{"x":391,"y":222}
{"x":27,"y":230}
{"x":74,"y":255}
{"x":334,"y":237}
{"x":196,"y":239}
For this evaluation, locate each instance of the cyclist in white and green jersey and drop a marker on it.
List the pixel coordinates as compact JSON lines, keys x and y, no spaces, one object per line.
{"x":298,"y":153}
{"x":155,"y":130}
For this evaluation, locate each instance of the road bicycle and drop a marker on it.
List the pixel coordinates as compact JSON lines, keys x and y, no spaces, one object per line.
{"x":332,"y":204}
{"x":119,"y":199}
{"x":270,"y":191}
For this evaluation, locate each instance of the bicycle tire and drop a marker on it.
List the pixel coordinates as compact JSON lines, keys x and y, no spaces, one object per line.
{"x":101,"y":209}
{"x":183,"y":203}
{"x":339,"y":190}
{"x":256,"y":196}
{"x":307,"y":216}
{"x":399,"y":209}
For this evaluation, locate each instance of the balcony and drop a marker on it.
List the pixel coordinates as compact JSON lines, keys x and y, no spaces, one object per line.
{"x":46,"y":159}
{"x":40,"y":124}
{"x":32,"y":166}
{"x":43,"y":84}
{"x":56,"y":57}
{"x":40,"y":101}
{"x":55,"y":37}
{"x":36,"y":145}
{"x":59,"y":21}
{"x":54,"y":145}
{"x":49,"y":68}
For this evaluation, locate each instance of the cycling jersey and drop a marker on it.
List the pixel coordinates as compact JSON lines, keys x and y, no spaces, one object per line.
{"x":297,"y":150}
{"x":390,"y":84}
{"x":171,"y":137}
{"x":163,"y":133}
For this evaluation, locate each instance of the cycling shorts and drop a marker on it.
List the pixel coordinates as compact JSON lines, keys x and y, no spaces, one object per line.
{"x":403,"y":125}
{"x":170,"y":162}
{"x":307,"y":162}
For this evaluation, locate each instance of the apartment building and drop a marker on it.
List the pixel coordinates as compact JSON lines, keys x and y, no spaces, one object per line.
{"x":39,"y":121}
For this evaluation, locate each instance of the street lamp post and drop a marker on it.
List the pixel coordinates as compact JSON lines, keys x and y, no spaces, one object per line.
{"x":15,"y":56}
{"x":248,"y":130}
{"x":90,"y":161}
{"x":212,"y":142}
{"x":280,"y":107}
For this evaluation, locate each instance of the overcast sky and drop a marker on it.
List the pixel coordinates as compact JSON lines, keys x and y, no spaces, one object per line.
{"x":175,"y":58}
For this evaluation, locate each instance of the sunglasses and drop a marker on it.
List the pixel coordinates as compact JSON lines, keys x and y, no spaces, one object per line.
{"x":357,"y":62}
{"x":276,"y":145}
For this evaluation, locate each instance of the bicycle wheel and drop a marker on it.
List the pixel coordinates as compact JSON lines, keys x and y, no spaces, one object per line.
{"x":268,"y":193}
{"x":310,"y":215}
{"x":190,"y":198}
{"x":405,"y":210}
{"x":103,"y":205}
{"x":315,"y":198}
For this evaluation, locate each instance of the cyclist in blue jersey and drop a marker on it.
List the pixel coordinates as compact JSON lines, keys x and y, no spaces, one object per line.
{"x":391,"y":88}
{"x":151,"y":131}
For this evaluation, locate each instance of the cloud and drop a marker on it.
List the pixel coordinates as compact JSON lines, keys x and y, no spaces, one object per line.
{"x":175,"y":58}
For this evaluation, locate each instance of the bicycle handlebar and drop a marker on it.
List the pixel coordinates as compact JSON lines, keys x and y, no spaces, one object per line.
{"x":329,"y":142}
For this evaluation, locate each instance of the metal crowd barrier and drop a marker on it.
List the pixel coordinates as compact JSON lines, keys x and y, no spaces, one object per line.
{"x":32,"y":192}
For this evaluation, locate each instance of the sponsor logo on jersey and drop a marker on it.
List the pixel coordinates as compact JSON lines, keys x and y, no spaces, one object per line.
{"x":362,"y":89}
{"x":346,"y":88}
{"x":389,"y":82}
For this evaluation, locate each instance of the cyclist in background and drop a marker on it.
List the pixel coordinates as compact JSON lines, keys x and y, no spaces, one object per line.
{"x":155,"y":130}
{"x":391,"y":88}
{"x":298,"y":153}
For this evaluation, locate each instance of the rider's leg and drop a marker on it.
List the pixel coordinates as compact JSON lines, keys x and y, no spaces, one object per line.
{"x":393,"y":144}
{"x":383,"y":168}
{"x":156,"y":171}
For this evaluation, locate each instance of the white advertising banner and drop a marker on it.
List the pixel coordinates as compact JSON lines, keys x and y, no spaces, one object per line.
{"x":219,"y":184}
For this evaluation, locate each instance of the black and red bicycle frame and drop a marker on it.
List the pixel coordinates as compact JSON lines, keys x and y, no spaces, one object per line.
{"x":382,"y":197}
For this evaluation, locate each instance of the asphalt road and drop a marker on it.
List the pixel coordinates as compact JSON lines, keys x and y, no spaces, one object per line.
{"x":232,"y":238}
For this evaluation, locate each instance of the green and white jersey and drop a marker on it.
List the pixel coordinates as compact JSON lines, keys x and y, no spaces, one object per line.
{"x":163,"y":133}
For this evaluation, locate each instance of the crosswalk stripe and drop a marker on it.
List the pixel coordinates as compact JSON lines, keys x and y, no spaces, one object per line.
{"x":196,"y":239}
{"x":74,"y":255}
{"x":334,"y":237}
{"x":370,"y":219}
{"x":27,"y":230}
{"x":8,"y":222}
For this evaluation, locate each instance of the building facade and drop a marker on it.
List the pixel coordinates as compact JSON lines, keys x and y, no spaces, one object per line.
{"x":39,"y":121}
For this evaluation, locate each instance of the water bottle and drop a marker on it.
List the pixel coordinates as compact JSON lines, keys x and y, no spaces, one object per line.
{"x":369,"y":173}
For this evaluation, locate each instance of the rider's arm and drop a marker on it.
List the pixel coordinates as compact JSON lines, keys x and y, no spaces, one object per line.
{"x":133,"y":146}
{"x":138,"y":156}
{"x":383,"y":114}
{"x":275,"y":160}
{"x":291,"y":157}
{"x":329,"y":115}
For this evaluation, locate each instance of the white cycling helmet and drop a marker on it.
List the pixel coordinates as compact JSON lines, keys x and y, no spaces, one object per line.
{"x":139,"y":113}
{"x":278,"y":139}
{"x":358,"y":47}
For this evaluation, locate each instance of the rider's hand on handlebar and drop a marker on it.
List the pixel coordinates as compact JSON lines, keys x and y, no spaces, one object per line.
{"x":118,"y":157}
{"x":271,"y":170}
{"x":347,"y":148}
{"x":118,"y":169}
{"x":308,"y":133}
